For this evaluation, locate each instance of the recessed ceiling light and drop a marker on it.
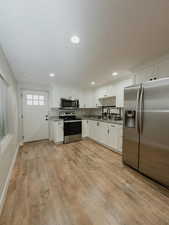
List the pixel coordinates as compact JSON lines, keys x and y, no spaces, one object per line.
{"x":51,"y":74}
{"x":93,"y":83}
{"x":75,"y":39}
{"x":114,"y":74}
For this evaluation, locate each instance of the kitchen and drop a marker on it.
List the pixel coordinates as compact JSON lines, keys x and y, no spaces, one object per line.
{"x":84,"y":89}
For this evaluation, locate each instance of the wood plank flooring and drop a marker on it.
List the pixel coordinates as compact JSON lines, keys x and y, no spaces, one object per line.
{"x":80,"y":183}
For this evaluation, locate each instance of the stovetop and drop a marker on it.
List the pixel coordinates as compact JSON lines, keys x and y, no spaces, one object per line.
{"x":70,"y":118}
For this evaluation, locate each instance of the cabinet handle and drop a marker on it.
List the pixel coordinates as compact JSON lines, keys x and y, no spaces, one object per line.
{"x":108,"y":131}
{"x":97,"y":123}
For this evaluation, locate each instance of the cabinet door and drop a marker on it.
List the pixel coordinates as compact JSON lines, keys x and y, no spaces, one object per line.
{"x":50,"y":130}
{"x":113,"y":136}
{"x":85,"y":128}
{"x":120,"y":138}
{"x":103,"y":137}
{"x":93,"y":130}
{"x":60,"y":131}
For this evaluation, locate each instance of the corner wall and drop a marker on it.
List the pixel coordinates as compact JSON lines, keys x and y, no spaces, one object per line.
{"x":9,"y":145}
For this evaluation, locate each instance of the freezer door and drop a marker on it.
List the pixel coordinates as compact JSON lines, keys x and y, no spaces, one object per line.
{"x":154,"y":139}
{"x":131,"y":128}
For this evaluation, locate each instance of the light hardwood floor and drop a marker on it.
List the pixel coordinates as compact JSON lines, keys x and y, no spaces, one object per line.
{"x":80,"y":183}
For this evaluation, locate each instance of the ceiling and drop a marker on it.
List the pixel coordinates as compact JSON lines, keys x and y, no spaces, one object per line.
{"x":115,"y":35}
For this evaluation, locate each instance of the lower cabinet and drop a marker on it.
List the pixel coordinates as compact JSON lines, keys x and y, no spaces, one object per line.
{"x":57,"y":131}
{"x":93,"y":131}
{"x":85,"y":128}
{"x":104,"y":133}
{"x":113,"y":136}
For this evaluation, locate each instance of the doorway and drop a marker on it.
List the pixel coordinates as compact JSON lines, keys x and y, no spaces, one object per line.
{"x":35,"y":116}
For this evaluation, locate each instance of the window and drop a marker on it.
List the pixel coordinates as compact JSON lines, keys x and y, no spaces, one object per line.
{"x":35,"y":100}
{"x":3,"y":108}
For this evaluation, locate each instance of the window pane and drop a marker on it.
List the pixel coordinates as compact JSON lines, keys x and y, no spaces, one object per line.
{"x":29,"y":96}
{"x":35,"y":102}
{"x":41,"y":102}
{"x":41,"y":97}
{"x":35,"y":97}
{"x":29,"y":102}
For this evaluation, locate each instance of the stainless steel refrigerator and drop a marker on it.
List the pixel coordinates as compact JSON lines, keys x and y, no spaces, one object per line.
{"x":146,"y":129}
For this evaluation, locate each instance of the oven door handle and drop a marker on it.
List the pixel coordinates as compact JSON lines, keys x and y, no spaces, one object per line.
{"x":72,"y":121}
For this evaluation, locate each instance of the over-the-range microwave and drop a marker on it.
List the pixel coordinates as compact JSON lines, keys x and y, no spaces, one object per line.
{"x":69,"y":103}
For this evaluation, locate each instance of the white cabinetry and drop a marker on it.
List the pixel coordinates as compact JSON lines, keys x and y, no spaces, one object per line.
{"x":115,"y":136}
{"x":93,"y":130}
{"x":85,"y":128}
{"x":103,"y":130}
{"x":112,"y":136}
{"x":106,"y":133}
{"x":57,"y":131}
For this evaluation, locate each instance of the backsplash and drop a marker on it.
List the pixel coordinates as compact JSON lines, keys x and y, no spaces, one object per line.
{"x":87,"y":112}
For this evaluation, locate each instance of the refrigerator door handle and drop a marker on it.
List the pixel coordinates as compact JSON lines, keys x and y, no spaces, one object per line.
{"x":137,"y":111}
{"x":141,"y":110}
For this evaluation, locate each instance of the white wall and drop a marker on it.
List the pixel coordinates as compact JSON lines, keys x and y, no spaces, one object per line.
{"x":158,"y":68}
{"x":58,"y":91}
{"x":9,"y":144}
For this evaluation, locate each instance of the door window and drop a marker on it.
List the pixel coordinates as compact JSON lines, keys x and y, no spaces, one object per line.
{"x":35,"y":100}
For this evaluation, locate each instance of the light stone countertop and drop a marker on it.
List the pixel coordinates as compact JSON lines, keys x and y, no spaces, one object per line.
{"x":118,"y":122}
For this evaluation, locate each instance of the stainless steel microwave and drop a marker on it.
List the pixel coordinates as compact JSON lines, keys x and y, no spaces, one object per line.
{"x":69,"y":103}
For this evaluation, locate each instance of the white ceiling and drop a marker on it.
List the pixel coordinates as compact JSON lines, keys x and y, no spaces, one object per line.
{"x":115,"y":35}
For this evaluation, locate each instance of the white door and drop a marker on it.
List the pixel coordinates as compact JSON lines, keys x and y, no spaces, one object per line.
{"x":35,"y":116}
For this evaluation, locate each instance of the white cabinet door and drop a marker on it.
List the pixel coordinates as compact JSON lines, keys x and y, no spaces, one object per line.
{"x":120,"y":138}
{"x":93,"y":130}
{"x":85,"y":130}
{"x":98,"y":131}
{"x":113,"y":137}
{"x":103,"y":130}
{"x":105,"y":133}
{"x":58,"y":131}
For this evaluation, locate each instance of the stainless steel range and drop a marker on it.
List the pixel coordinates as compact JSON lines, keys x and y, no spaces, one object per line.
{"x":72,"y":126}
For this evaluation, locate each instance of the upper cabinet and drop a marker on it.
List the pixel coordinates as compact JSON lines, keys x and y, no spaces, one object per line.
{"x":145,"y":74}
{"x":115,"y":89}
{"x":58,"y":92}
{"x":157,"y":69}
{"x":89,"y":98}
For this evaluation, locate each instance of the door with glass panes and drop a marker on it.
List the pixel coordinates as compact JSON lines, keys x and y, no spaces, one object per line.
{"x":35,"y":116}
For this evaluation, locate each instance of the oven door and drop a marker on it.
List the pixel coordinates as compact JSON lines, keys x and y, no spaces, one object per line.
{"x":72,"y":131}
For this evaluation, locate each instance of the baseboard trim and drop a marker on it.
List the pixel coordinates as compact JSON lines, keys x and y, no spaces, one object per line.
{"x":4,"y":193}
{"x":106,"y":146}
